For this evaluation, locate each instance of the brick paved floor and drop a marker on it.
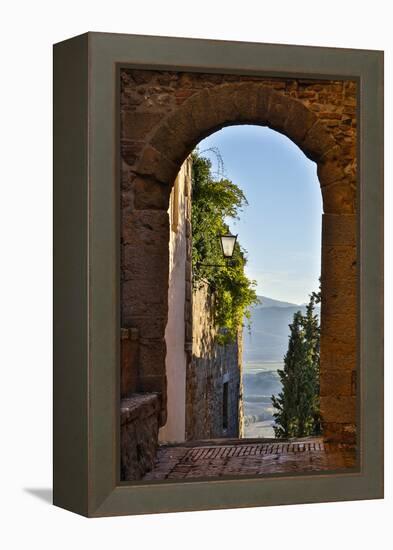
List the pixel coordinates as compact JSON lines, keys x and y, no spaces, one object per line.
{"x":249,"y":457}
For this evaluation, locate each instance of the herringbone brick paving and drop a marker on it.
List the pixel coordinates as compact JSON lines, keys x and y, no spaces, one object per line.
{"x":250,"y":459}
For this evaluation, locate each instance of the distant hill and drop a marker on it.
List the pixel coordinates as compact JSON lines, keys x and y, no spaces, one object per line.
{"x":269,"y":302}
{"x":268,"y":339}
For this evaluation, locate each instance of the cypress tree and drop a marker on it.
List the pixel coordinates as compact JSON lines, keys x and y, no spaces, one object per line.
{"x":297,"y":405}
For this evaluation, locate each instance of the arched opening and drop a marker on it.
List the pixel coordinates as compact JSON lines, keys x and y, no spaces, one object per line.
{"x":159,"y":130}
{"x":225,"y":390}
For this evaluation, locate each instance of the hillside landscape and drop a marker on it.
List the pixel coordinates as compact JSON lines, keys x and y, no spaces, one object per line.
{"x":265,"y":345}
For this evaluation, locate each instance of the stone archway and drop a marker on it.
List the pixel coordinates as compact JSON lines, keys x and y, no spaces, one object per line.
{"x":156,"y":139}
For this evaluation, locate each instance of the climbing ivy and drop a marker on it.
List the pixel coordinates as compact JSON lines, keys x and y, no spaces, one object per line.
{"x":213,"y":201}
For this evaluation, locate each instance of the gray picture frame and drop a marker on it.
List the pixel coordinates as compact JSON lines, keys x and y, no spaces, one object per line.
{"x":86,"y":273}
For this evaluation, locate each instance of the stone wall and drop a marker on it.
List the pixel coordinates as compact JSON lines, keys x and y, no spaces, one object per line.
{"x":211,"y":366}
{"x":129,"y":360}
{"x":163,"y":117}
{"x":138,"y":435}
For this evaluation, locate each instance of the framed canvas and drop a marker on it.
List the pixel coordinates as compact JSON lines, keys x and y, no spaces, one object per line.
{"x":150,"y":405}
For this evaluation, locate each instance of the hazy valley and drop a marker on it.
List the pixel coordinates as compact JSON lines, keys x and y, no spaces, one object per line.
{"x":264,"y":348}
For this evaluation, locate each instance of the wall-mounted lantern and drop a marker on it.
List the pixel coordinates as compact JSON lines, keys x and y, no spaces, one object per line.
{"x":228,"y":245}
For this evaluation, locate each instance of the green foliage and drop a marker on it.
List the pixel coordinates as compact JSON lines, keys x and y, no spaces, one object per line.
{"x":297,"y":404}
{"x":214,"y":200}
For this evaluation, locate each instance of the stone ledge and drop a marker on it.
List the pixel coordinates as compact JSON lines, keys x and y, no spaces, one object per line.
{"x":139,"y":434}
{"x":139,"y":406}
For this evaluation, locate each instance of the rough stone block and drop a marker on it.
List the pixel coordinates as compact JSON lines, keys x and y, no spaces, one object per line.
{"x":137,"y":125}
{"x":279,"y":109}
{"x":336,"y":382}
{"x":338,"y":297}
{"x":145,"y":229}
{"x":337,"y":356}
{"x":299,"y":120}
{"x":138,"y":435}
{"x":130,"y":150}
{"x":151,"y":326}
{"x":340,"y":327}
{"x":317,"y":141}
{"x":142,"y":267}
{"x":338,"y":409}
{"x":338,"y":230}
{"x":339,"y":432}
{"x":202,"y":108}
{"x":155,"y":164}
{"x":152,"y":354}
{"x":153,"y":383}
{"x":331,"y":171}
{"x":243,"y":103}
{"x":150,"y":194}
{"x":173,"y":143}
{"x":137,"y":297}
{"x":129,"y":360}
{"x":339,"y":198}
{"x":221,"y":100}
{"x":339,"y":263}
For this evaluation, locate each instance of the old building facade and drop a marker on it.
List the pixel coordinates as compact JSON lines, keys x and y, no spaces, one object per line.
{"x":163,"y":117}
{"x":203,"y":378}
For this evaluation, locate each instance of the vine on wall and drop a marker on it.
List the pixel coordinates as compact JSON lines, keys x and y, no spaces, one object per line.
{"x":215,"y":199}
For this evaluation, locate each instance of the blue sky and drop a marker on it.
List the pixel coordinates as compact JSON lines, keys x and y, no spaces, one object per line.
{"x":281,"y":226}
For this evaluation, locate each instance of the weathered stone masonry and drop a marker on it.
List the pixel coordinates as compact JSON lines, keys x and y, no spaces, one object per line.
{"x":212,"y":371}
{"x":163,"y":116}
{"x":139,"y":435}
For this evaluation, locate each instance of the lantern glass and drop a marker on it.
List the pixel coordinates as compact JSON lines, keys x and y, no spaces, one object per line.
{"x":228,"y":245}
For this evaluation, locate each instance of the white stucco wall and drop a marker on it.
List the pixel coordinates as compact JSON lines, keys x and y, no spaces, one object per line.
{"x":174,"y":429}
